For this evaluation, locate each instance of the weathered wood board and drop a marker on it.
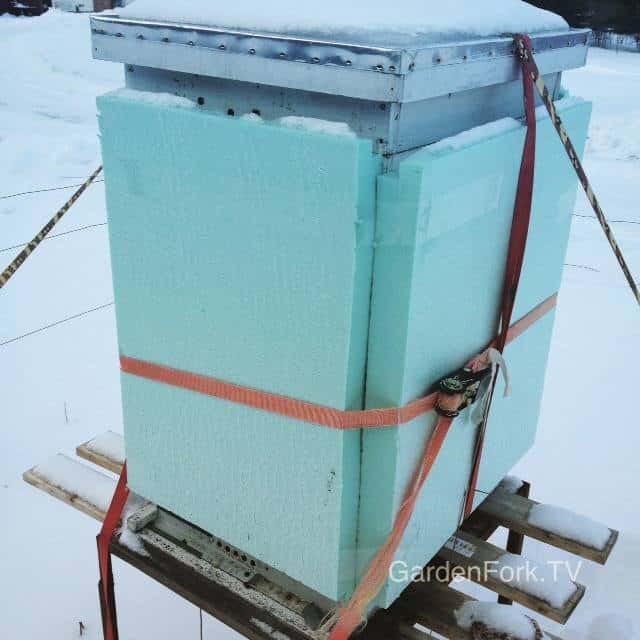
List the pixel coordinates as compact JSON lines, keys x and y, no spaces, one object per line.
{"x":440,"y":613}
{"x":480,"y":559}
{"x":65,"y":487}
{"x":513,"y":511}
{"x":106,"y":450}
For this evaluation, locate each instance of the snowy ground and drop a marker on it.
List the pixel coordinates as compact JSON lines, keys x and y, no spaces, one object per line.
{"x":60,"y":386}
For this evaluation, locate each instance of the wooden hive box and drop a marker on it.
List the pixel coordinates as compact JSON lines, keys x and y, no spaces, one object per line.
{"x":335,"y":267}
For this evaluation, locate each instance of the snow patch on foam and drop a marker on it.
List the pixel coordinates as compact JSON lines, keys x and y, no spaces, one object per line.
{"x":497,"y":617}
{"x":358,"y":21}
{"x":252,"y":117}
{"x":547,"y":582}
{"x":474,"y":135}
{"x":568,"y":524}
{"x":158,"y":99}
{"x":565,"y":102}
{"x":317,"y":125}
{"x":79,"y":479}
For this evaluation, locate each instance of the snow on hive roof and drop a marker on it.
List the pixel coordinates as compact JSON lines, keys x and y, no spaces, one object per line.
{"x":387,"y":23}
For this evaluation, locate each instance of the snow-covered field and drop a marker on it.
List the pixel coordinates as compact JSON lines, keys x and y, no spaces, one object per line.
{"x":60,"y":386}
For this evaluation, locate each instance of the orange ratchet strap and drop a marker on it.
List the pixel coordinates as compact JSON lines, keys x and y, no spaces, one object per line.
{"x":299,"y":409}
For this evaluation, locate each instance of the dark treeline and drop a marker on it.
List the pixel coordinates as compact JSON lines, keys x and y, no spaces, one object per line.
{"x":621,"y":16}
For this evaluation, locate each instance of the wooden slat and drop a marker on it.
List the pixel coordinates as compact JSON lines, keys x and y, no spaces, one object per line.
{"x":69,"y":494}
{"x":93,"y":452}
{"x":515,"y":539}
{"x":512,"y":511}
{"x":433,"y":605}
{"x":485,"y":554}
{"x":481,"y":525}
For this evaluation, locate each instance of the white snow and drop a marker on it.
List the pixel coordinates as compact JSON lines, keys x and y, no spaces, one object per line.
{"x":611,"y":626}
{"x":545,"y":581}
{"x":317,"y":125}
{"x":498,"y":617}
{"x":268,"y":629}
{"x":155,"y":98}
{"x":78,"y":479}
{"x":84,"y":481}
{"x":511,"y":484}
{"x":474,"y":135}
{"x":565,"y":102}
{"x":496,"y":127}
{"x":570,"y":525}
{"x":48,"y":137}
{"x":252,"y":117}
{"x":127,"y":537}
{"x":108,"y":444}
{"x":357,"y":21}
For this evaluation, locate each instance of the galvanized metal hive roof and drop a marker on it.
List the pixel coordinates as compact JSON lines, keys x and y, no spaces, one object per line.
{"x":407,"y":71}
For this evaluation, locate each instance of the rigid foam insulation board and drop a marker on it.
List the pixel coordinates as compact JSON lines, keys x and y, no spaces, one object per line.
{"x":243,"y":251}
{"x":441,"y":240}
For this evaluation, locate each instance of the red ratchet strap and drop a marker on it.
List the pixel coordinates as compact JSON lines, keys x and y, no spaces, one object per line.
{"x":517,"y":244}
{"x":105,"y":586}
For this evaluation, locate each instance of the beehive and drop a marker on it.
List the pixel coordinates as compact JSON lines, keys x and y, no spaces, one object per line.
{"x":349,"y":265}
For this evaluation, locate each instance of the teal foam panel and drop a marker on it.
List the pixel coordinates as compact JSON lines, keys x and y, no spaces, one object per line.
{"x":441,"y":240}
{"x":243,"y":251}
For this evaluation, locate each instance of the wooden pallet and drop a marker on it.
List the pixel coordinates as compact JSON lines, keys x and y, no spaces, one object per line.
{"x":251,"y":598}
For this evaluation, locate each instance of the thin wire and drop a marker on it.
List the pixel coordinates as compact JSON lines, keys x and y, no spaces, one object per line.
{"x":28,"y":250}
{"x":26,"y":193}
{"x":581,"y":266}
{"x":582,"y":215}
{"x":200,"y":624}
{"x":57,"y":235}
{"x":56,"y":323}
